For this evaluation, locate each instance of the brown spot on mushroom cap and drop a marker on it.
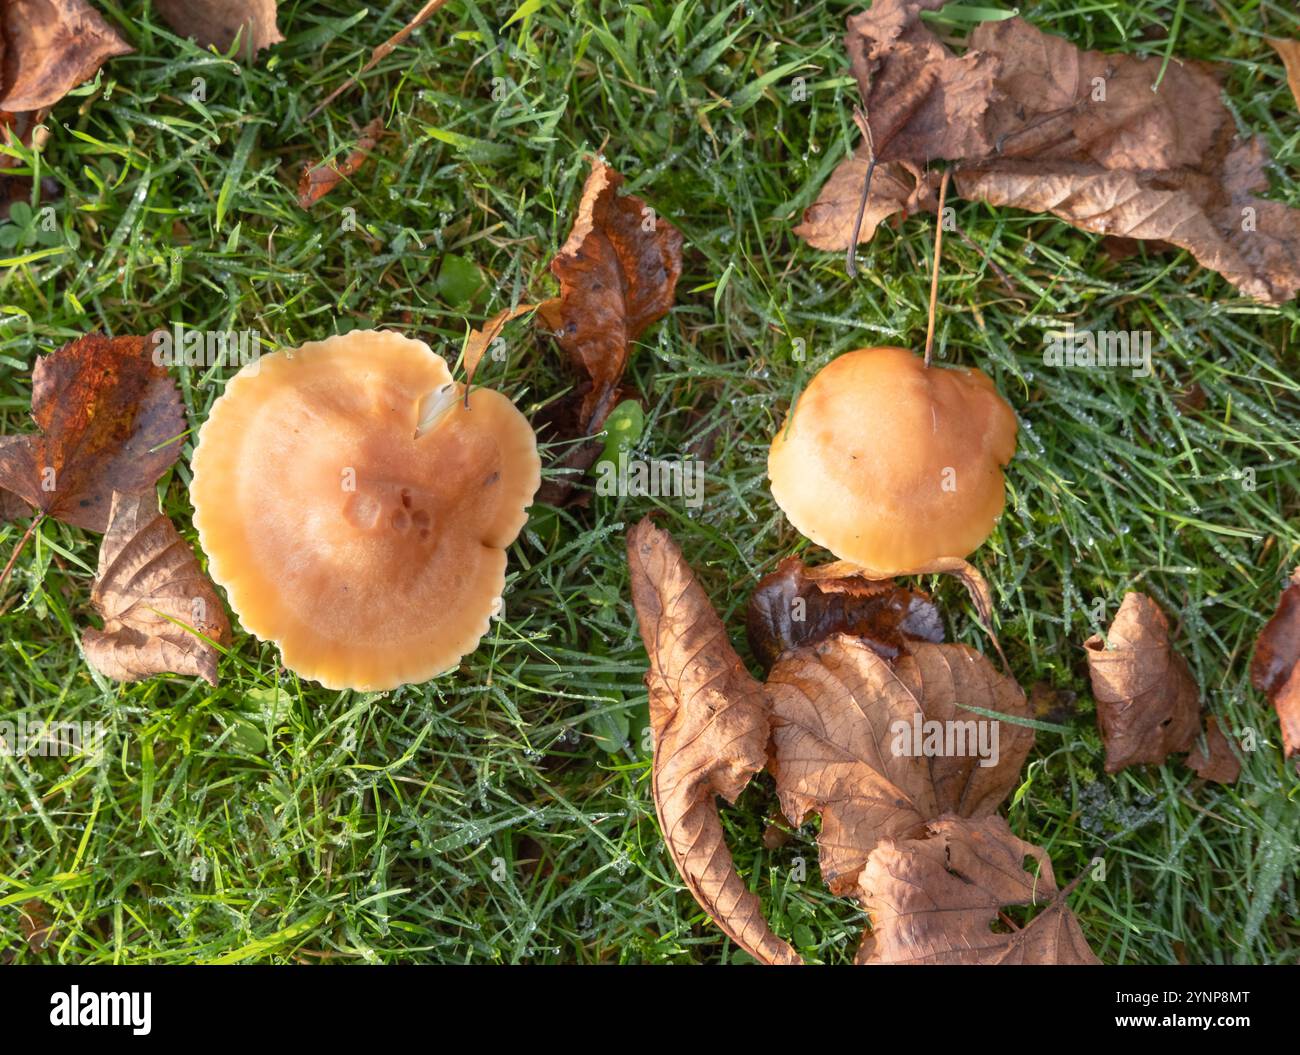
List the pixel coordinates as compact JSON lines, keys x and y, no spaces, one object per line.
{"x":861,"y":466}
{"x":368,"y":544}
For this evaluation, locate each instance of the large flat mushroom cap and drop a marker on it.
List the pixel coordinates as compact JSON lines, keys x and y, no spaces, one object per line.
{"x":890,"y":464}
{"x":356,"y":512}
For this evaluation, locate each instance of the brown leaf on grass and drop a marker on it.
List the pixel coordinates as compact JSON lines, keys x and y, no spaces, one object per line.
{"x":319,"y":179}
{"x":879,"y":748}
{"x":1289,"y":50}
{"x":936,"y":900}
{"x":1147,"y":702}
{"x":1273,"y":668}
{"x":480,"y":340}
{"x":896,"y":187}
{"x":710,"y":725}
{"x":618,"y":274}
{"x":1032,"y":122}
{"x":922,"y":101}
{"x":1215,"y":761}
{"x":35,"y":926}
{"x":50,"y":47}
{"x":795,"y":606}
{"x":217,"y":23}
{"x":148,"y":581}
{"x":110,"y":420}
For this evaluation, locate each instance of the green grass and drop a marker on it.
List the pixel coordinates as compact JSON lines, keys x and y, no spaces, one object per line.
{"x":476,"y":818}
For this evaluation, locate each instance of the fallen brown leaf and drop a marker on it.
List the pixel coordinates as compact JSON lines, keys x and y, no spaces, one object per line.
{"x":1289,"y":50}
{"x":710,"y":725}
{"x":1215,"y":761}
{"x":216,"y":23}
{"x":50,"y":47}
{"x":618,"y":274}
{"x":922,"y":102}
{"x":110,"y":420}
{"x":1147,"y":702}
{"x":148,"y":581}
{"x":843,"y":719}
{"x":1032,"y":122}
{"x":480,"y":340}
{"x":1273,"y":668}
{"x":876,"y":748}
{"x":795,"y":606}
{"x":35,"y":926}
{"x":935,"y":900}
{"x":319,"y":179}
{"x":896,"y":187}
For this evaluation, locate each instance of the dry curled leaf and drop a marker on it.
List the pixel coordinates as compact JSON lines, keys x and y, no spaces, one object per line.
{"x":936,"y":900}
{"x":876,"y":748}
{"x":1116,"y":144}
{"x":879,"y":748}
{"x":216,"y":23}
{"x":797,"y":606}
{"x":710,"y":725}
{"x":1147,"y":702}
{"x":618,"y":274}
{"x":50,"y":47}
{"x":480,"y":340}
{"x":1273,"y":668}
{"x":1215,"y":761}
{"x":110,"y":420}
{"x":149,"y":581}
{"x":319,"y":179}
{"x":922,"y":101}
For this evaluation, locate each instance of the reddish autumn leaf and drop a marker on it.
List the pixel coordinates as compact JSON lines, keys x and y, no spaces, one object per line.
{"x":618,"y":274}
{"x":319,"y":179}
{"x":217,"y":23}
{"x":795,"y":606}
{"x":1147,"y":702}
{"x":157,"y":604}
{"x":110,"y":420}
{"x":1273,"y":668}
{"x":938,"y":900}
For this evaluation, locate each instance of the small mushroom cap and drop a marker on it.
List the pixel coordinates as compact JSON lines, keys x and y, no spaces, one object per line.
{"x":357,"y":512}
{"x":891,"y":464}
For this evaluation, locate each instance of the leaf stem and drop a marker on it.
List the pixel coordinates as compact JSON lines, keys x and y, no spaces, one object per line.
{"x":22,"y":542}
{"x":850,"y":256}
{"x":934,"y":278}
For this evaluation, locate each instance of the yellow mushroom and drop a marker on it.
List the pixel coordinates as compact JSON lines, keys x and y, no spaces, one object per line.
{"x":357,"y":511}
{"x":892,"y":465}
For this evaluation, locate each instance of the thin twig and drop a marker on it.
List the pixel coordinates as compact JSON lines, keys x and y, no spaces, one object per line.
{"x":850,"y":257}
{"x":22,"y":542}
{"x":934,"y":278}
{"x":381,"y":52}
